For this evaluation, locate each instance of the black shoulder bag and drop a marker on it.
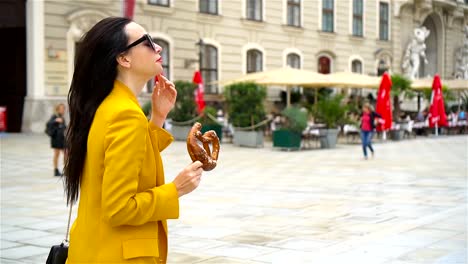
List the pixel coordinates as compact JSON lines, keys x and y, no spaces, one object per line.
{"x":58,"y":253}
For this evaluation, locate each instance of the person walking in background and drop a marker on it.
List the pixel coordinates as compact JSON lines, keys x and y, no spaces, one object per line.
{"x":114,"y":163}
{"x":368,"y":119}
{"x":56,"y":127}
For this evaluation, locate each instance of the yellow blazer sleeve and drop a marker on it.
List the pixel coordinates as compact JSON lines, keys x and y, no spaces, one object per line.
{"x":161,"y":136}
{"x":125,"y":147}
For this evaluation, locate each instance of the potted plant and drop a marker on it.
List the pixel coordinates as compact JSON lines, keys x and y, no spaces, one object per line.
{"x":332,"y":113}
{"x":290,"y":134}
{"x":209,"y":122}
{"x":246,"y":112}
{"x":184,"y":113}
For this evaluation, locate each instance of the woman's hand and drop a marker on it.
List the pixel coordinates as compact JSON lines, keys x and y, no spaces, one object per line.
{"x":189,"y":178}
{"x":162,"y":100}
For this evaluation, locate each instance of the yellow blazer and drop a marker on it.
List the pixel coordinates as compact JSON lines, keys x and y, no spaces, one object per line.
{"x":124,"y":202}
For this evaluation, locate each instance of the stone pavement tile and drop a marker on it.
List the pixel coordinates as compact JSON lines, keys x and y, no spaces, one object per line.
{"x":407,"y":240}
{"x":224,"y":260}
{"x":23,"y":252}
{"x":206,"y":232}
{"x":300,"y":243}
{"x":432,"y":233}
{"x":7,"y":244}
{"x":187,"y":243}
{"x":377,"y":251}
{"x":186,"y":257}
{"x":8,"y":261}
{"x":239,"y":251}
{"x":47,"y":225}
{"x":457,"y":257}
{"x":259,"y":239}
{"x":23,"y":235}
{"x":5,"y":220}
{"x":47,"y":241}
{"x":424,"y":255}
{"x":286,"y":256}
{"x":8,"y":228}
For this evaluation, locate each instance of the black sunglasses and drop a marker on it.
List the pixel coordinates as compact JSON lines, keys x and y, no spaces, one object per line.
{"x":145,"y":37}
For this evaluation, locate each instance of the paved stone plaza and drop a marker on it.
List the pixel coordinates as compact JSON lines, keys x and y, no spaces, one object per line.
{"x":407,"y":205}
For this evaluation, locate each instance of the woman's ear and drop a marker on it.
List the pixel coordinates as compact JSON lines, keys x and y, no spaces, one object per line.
{"x":123,"y":60}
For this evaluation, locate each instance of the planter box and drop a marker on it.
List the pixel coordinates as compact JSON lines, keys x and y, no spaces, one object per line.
{"x":396,"y":134}
{"x":286,"y":139}
{"x":252,"y":139}
{"x":180,"y":133}
{"x":217,"y":128}
{"x":328,"y":138}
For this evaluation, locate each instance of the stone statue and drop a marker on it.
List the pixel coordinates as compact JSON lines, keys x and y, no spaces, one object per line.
{"x":461,"y":59}
{"x":415,"y":49}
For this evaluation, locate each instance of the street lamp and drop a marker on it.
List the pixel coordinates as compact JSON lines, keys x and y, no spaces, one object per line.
{"x":200,"y":45}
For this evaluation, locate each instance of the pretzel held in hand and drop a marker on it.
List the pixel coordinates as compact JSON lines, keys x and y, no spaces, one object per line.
{"x":204,"y":155}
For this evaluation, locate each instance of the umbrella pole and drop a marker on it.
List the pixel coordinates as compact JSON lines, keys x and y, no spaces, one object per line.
{"x":288,"y":96}
{"x":315,"y":98}
{"x":384,"y":135}
{"x":436,"y":130}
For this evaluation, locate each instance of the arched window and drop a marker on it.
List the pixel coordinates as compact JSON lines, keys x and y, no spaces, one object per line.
{"x":254,"y":61}
{"x":293,"y":60}
{"x":324,"y":64}
{"x":356,"y":66}
{"x":209,"y":68}
{"x":166,"y":61}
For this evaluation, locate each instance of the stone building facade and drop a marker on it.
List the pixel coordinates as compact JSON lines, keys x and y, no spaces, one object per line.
{"x":241,"y":36}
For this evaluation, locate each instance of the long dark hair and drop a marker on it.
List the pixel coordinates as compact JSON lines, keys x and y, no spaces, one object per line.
{"x":93,"y":80}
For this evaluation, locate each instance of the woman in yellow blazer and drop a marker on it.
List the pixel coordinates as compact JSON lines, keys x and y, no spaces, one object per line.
{"x":114,"y":161}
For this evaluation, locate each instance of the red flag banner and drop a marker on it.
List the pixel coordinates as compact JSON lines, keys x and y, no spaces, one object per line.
{"x":437,"y":109}
{"x":199,"y":92}
{"x":384,"y":106}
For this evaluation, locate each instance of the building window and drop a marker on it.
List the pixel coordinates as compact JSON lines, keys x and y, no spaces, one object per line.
{"x":254,"y":61}
{"x":357,"y":17}
{"x":383,"y":23}
{"x":293,"y":60}
{"x":356,"y":66}
{"x":209,"y":68}
{"x":209,"y":6}
{"x":166,"y":61}
{"x":159,"y":2}
{"x":294,"y":13}
{"x":324,"y":64}
{"x":327,"y":15}
{"x":254,"y":9}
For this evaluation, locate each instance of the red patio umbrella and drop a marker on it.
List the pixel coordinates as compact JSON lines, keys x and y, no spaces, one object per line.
{"x":199,"y":92}
{"x":384,"y":106}
{"x":128,"y":8}
{"x":437,"y":116}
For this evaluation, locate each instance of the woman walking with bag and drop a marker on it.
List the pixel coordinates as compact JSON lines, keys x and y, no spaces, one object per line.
{"x":55,"y":128}
{"x":368,"y":118}
{"x":114,"y":161}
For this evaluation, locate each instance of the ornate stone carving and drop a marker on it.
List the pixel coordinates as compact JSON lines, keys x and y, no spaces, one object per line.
{"x":82,"y":21}
{"x":414,"y":51}
{"x":461,"y":59}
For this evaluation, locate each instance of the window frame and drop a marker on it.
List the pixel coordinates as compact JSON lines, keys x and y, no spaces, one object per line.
{"x":205,"y":69}
{"x":261,"y":3}
{"x":159,"y":4}
{"x":358,"y":17}
{"x":384,"y":24}
{"x":289,"y":55}
{"x":297,"y":5}
{"x":328,"y":12}
{"x":247,"y":60}
{"x":360,"y":66}
{"x":208,"y":6}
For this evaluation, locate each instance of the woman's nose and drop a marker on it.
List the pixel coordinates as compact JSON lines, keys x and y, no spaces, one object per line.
{"x":157,"y":48}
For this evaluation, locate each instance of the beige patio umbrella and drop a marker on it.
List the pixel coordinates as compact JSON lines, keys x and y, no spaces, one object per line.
{"x":456,"y":84}
{"x":353,"y":80}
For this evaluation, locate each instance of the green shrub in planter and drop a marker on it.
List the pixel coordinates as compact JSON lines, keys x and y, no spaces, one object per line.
{"x":331,"y":111}
{"x":209,"y":113}
{"x":185,"y":108}
{"x":245,"y":104}
{"x":290,"y":135}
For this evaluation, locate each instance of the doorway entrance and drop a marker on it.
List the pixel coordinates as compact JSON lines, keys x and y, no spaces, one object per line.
{"x":13,"y":71}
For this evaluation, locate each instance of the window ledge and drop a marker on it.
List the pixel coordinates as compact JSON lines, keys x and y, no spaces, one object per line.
{"x":208,"y":16}
{"x":358,"y":38}
{"x":381,"y":41}
{"x":254,"y":23}
{"x":157,"y":8}
{"x":326,"y":33}
{"x":291,"y":28}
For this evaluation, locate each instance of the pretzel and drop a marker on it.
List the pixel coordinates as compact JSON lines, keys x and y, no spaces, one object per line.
{"x":204,"y":155}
